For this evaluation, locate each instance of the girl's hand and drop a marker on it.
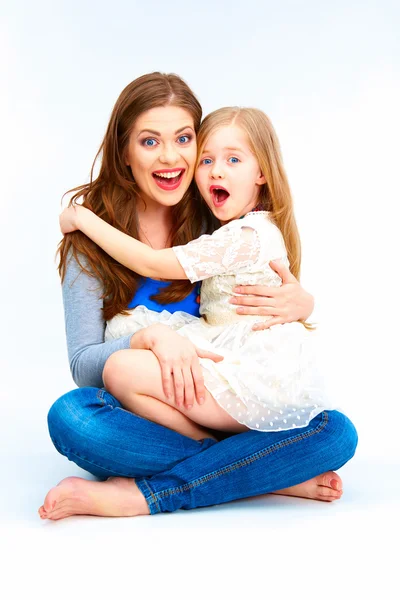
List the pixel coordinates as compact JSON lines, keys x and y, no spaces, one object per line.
{"x":284,"y":304}
{"x":69,"y":219}
{"x":181,"y":373}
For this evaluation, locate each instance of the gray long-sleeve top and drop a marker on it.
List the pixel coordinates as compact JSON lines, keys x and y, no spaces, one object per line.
{"x":85,"y":327}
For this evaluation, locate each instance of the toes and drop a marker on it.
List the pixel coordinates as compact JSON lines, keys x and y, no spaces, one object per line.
{"x":60,"y":513}
{"x":58,"y":493}
{"x":336,"y":485}
{"x":49,"y":501}
{"x":331,"y":480}
{"x":328,"y":494}
{"x":57,"y":516}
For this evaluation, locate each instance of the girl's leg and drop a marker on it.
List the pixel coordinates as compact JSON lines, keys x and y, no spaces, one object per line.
{"x":159,"y":412}
{"x":134,"y":377}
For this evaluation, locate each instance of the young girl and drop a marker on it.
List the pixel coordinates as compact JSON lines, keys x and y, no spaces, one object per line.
{"x":267,"y":379}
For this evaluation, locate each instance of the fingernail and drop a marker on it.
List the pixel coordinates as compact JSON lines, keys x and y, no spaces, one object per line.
{"x":201,"y":400}
{"x":190,"y":406}
{"x":335,"y":484}
{"x":240,"y":309}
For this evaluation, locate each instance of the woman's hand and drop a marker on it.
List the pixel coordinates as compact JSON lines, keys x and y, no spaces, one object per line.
{"x":287,"y":303}
{"x":69,"y":219}
{"x":181,"y":373}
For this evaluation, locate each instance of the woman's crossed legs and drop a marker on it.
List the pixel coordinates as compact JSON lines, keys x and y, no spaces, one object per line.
{"x":120,"y":496}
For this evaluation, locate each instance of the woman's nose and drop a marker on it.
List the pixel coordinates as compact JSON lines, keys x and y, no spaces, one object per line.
{"x":169,"y":155}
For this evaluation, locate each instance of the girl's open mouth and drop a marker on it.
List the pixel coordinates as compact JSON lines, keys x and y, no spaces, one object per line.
{"x":219,"y":195}
{"x":168,"y":179}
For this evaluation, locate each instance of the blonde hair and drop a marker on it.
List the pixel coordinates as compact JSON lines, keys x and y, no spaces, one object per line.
{"x":274,"y":195}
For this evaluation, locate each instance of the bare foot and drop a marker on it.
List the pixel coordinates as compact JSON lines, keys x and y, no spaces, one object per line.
{"x":326,"y":487}
{"x":116,"y":497}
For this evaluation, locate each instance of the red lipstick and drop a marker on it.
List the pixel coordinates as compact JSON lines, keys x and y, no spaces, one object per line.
{"x":168,"y":184}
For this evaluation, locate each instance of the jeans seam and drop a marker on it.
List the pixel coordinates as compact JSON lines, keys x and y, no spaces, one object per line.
{"x":100,"y":396}
{"x":243,"y":462}
{"x":152,"y":499}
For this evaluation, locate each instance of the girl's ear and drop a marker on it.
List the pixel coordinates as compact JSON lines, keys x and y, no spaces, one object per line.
{"x":261,"y":179}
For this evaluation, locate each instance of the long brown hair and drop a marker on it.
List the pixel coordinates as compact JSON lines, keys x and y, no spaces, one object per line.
{"x":113,"y":195}
{"x":274,"y":195}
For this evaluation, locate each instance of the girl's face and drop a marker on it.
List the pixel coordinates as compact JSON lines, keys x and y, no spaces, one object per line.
{"x":228,"y":175}
{"x":162,"y":154}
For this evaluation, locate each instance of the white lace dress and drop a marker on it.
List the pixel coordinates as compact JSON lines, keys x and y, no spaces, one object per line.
{"x":268,"y":379}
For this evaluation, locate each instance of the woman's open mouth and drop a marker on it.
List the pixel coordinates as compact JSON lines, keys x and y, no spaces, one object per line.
{"x":219,"y":195}
{"x":168,"y":179}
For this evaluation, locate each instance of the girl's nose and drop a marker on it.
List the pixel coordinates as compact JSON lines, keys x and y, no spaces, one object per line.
{"x":216,"y":172}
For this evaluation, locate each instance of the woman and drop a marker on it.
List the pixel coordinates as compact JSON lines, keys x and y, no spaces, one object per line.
{"x":145,"y":189}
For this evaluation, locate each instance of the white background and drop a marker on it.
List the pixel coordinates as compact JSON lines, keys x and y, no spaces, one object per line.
{"x":327,"y":73}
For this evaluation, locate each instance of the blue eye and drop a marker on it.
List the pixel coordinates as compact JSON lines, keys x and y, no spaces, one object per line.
{"x":233,"y":159}
{"x":206,"y":161}
{"x":149,"y":142}
{"x":184,"y":139}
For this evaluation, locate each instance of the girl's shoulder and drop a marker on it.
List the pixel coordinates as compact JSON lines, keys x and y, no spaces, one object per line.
{"x":265,"y":229}
{"x":258,"y":220}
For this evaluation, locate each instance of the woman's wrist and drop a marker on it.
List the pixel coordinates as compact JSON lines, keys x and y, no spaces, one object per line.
{"x":144,"y":339}
{"x":137,"y":341}
{"x":309,"y":305}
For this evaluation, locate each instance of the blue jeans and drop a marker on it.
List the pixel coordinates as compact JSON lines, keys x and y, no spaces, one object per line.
{"x":90,"y":428}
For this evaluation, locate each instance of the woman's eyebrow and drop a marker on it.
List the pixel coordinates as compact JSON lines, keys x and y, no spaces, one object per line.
{"x":153,"y":132}
{"x":183,"y":129}
{"x":149,"y":131}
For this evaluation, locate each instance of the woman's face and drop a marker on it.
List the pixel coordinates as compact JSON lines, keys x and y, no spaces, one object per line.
{"x":162,"y":154}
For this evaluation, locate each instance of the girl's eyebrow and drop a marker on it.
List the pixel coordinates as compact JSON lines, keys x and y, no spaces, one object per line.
{"x":159,"y":134}
{"x":230,"y":148}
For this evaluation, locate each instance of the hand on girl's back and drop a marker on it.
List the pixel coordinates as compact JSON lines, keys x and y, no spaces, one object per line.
{"x":284,"y":304}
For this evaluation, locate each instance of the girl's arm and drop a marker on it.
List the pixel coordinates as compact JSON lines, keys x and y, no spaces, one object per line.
{"x":126,"y":250}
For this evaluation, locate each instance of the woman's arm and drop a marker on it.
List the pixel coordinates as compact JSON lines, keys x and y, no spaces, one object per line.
{"x":125,"y":249}
{"x":88,"y":352}
{"x":85,"y":326}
